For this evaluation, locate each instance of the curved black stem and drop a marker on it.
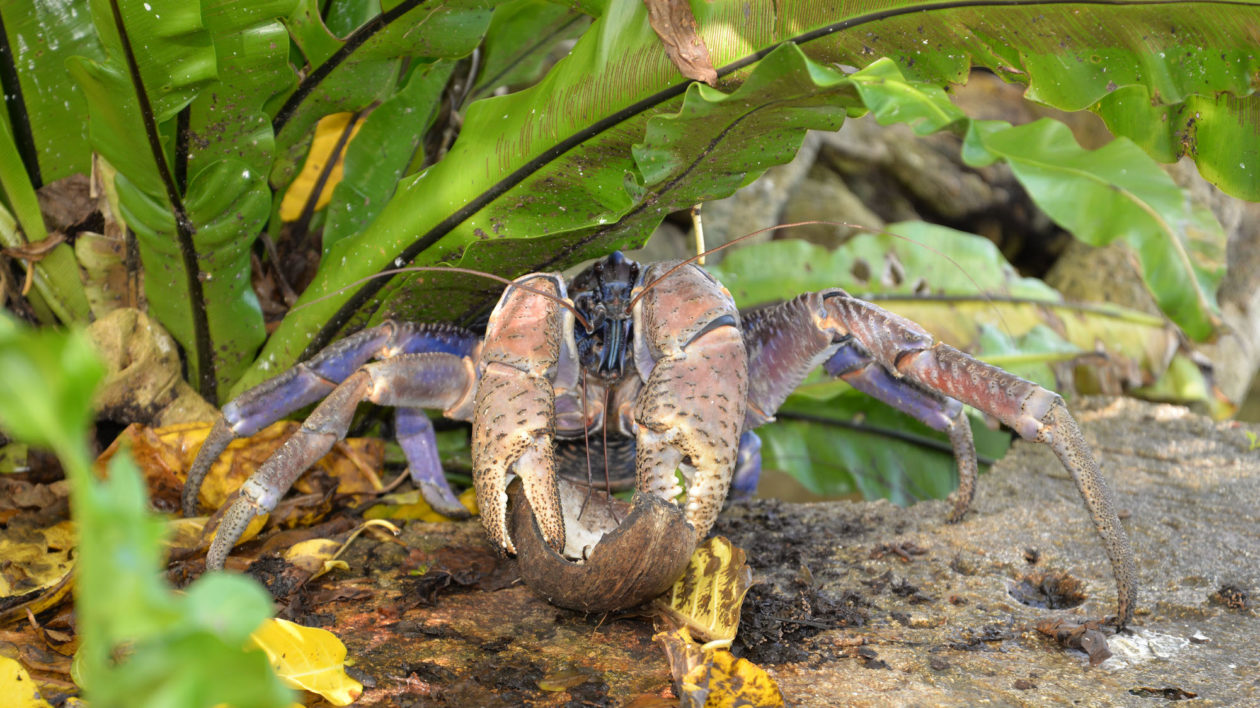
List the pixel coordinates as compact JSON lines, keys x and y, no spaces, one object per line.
{"x":184,"y":228}
{"x":15,"y":105}
{"x":917,"y":440}
{"x":369,"y":290}
{"x":356,"y":39}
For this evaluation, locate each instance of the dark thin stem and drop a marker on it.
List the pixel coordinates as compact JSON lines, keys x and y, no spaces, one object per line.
{"x":301,"y":227}
{"x":184,"y":228}
{"x":181,"y":148}
{"x":917,"y":440}
{"x":545,"y":40}
{"x":369,"y":290}
{"x":19,"y":119}
{"x":321,"y":72}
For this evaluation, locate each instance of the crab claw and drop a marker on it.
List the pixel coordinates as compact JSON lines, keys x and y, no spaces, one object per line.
{"x":691,"y":409}
{"x":514,"y":412}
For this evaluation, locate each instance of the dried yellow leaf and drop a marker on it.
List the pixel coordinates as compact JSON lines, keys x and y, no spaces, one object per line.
{"x":315,"y":556}
{"x":410,"y":506}
{"x":708,"y":597}
{"x":37,"y":566}
{"x":308,"y":658}
{"x":714,"y":678}
{"x":328,"y":133}
{"x":16,"y":686}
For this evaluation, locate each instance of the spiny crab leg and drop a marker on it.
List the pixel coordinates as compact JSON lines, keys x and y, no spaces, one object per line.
{"x":932,"y":409}
{"x":409,"y":381}
{"x":897,"y":361}
{"x":311,"y":380}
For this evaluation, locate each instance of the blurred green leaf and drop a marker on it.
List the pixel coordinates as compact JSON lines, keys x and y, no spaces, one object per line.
{"x":142,"y":645}
{"x":1117,"y":192}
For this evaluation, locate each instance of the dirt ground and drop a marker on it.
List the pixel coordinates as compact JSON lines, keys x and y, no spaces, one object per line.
{"x":866,"y":603}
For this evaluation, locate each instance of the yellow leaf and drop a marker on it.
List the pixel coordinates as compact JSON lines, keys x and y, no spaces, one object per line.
{"x":315,"y":556}
{"x":327,"y":134}
{"x":308,"y":658}
{"x":410,"y":506}
{"x":708,"y":597}
{"x":37,"y":568}
{"x":705,"y":677}
{"x":184,"y":534}
{"x":16,"y":686}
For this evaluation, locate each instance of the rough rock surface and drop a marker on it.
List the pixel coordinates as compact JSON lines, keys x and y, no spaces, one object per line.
{"x":866,"y":603}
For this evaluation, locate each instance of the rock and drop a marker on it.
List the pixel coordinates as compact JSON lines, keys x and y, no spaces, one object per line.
{"x":870,"y":604}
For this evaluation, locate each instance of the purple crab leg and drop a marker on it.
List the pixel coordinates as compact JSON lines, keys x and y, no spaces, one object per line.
{"x":431,"y":380}
{"x":747,"y":467}
{"x":938,"y":412}
{"x":419,"y":443}
{"x":311,"y":380}
{"x":787,"y":341}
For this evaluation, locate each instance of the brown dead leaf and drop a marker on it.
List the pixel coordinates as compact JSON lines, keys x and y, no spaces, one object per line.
{"x":708,"y":597}
{"x":165,"y":454}
{"x":1086,"y":636}
{"x":675,"y":24}
{"x":706,"y":677}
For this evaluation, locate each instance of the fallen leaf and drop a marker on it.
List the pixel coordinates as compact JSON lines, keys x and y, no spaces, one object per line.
{"x":17,"y":687}
{"x":675,"y":24}
{"x":410,"y":506}
{"x":328,"y":138}
{"x":165,"y":454}
{"x":1086,"y":636}
{"x":315,"y":556}
{"x":708,"y":597}
{"x":706,"y":677}
{"x":308,"y":658}
{"x":185,"y":534}
{"x":36,"y":569}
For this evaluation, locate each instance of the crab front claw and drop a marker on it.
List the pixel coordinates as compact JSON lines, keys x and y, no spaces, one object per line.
{"x":514,"y":412}
{"x":692,"y":406}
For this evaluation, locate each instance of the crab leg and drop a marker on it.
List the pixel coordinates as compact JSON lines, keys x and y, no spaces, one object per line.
{"x":432,"y":380}
{"x":802,"y":333}
{"x":311,"y":380}
{"x":934,"y":410}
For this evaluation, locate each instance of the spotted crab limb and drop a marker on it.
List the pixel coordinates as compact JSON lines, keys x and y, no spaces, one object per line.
{"x":528,"y":352}
{"x":311,"y":380}
{"x":692,"y":405}
{"x":907,"y":351}
{"x":938,"y":412}
{"x":434,"y":380}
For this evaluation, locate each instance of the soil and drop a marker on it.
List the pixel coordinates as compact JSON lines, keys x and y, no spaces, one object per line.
{"x":869,"y":604}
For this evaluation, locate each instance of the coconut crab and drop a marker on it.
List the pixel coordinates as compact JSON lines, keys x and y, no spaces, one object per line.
{"x":655,"y":367}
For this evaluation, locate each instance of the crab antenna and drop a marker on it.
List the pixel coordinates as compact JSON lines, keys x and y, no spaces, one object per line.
{"x":699,"y":257}
{"x":453,"y":269}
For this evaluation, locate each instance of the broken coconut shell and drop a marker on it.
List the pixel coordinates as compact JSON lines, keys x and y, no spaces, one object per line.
{"x":625,"y":564}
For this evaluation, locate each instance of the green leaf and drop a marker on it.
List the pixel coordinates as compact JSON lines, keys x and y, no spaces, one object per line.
{"x":229,"y":203}
{"x":1117,"y":191}
{"x":377,"y":157}
{"x":521,"y":36}
{"x":867,"y":447}
{"x":40,"y":35}
{"x":56,"y":278}
{"x":46,"y":384}
{"x":552,"y":163}
{"x":1220,"y":131}
{"x":142,"y":645}
{"x":350,"y":75}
